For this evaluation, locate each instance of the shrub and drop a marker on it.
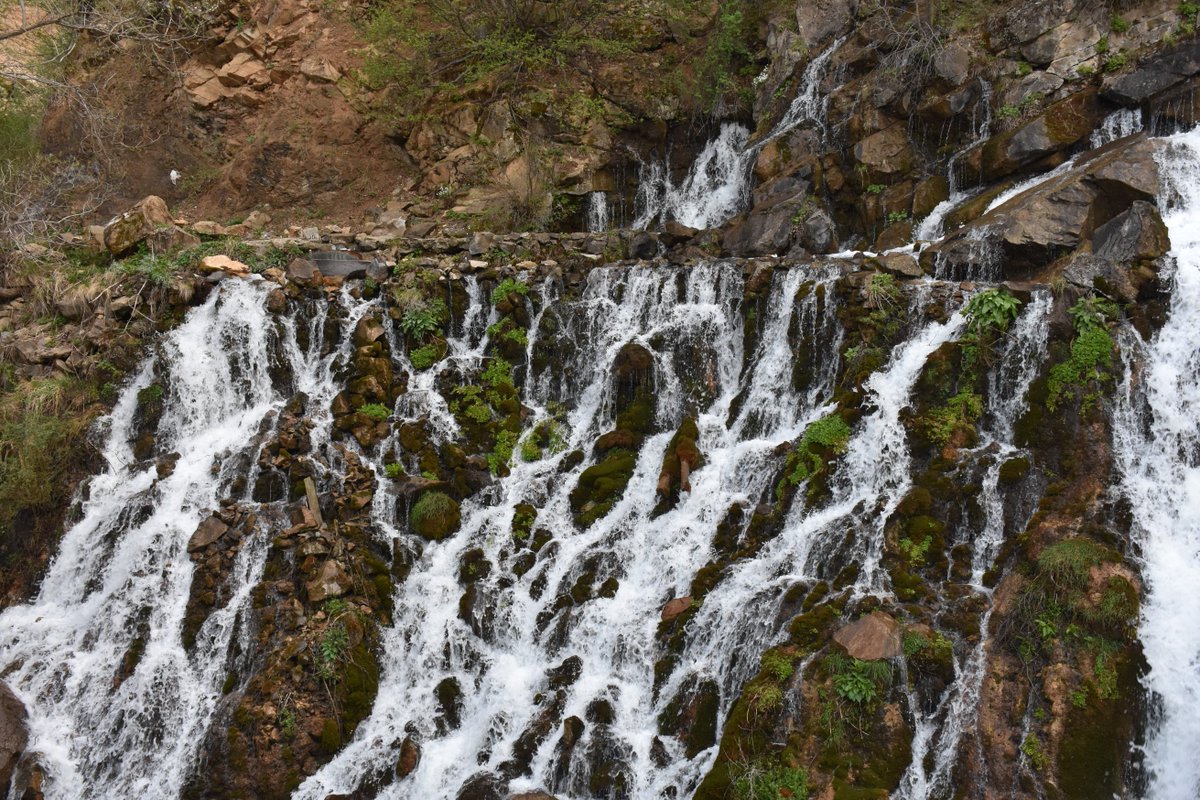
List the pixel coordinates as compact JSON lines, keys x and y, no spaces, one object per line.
{"x":435,"y":515}
{"x":424,"y":319}
{"x":828,"y":435}
{"x":376,"y":411}
{"x":424,"y":356}
{"x":506,"y":287}
{"x":394,"y":470}
{"x":991,"y":310}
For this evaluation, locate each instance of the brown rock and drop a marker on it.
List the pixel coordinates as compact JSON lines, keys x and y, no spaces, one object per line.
{"x":332,"y":581}
{"x":869,"y":638}
{"x":901,"y":264}
{"x":209,"y":531}
{"x":301,"y":270}
{"x":675,"y":607}
{"x":368,"y":330}
{"x":219,"y":263}
{"x":1058,"y":127}
{"x":887,"y":152}
{"x":410,"y":756}
{"x":124,"y":232}
{"x":13,"y":734}
{"x":1135,"y":235}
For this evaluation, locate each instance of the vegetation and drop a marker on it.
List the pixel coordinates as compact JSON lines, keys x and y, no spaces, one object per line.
{"x":376,"y":411}
{"x":822,"y":441}
{"x":1091,"y":351}
{"x":991,"y":311}
{"x":766,"y":781}
{"x":421,"y":320}
{"x":507,"y":287}
{"x":435,"y":515}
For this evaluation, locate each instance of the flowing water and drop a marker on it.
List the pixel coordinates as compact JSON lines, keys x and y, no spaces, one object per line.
{"x":122,"y":571}
{"x":1157,"y":444}
{"x":717,"y":185}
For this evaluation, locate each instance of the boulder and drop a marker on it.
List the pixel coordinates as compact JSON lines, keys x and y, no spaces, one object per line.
{"x":209,"y":531}
{"x":1135,"y":235}
{"x":818,"y":233}
{"x":301,"y":270}
{"x":1058,"y":127}
{"x":674,"y":607}
{"x":761,"y":233}
{"x":538,"y":795}
{"x":14,"y":735}
{"x":886,"y":152}
{"x":1162,"y":72}
{"x":367,"y":331}
{"x":820,"y":20}
{"x":410,"y":757}
{"x":128,"y":230}
{"x":332,"y":580}
{"x":869,"y":638}
{"x":643,"y":245}
{"x":952,"y":64}
{"x":220,"y":263}
{"x":902,"y":265}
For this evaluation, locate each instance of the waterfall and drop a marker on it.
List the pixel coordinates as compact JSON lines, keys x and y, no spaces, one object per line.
{"x":717,"y":185}
{"x":930,"y":228}
{"x":1157,"y":445}
{"x":1117,"y":125}
{"x":941,"y":730}
{"x":597,"y":215}
{"x":123,"y":570}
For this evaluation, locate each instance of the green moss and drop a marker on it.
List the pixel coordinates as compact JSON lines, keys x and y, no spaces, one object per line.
{"x":1090,"y":360}
{"x":435,"y":515}
{"x":376,"y":411}
{"x":821,"y":442}
{"x":331,"y":737}
{"x":1014,"y":469}
{"x":601,"y":485}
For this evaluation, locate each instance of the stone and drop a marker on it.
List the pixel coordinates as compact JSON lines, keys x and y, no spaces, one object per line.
{"x":209,"y":531}
{"x":818,"y":21}
{"x":14,"y":734}
{"x":643,"y":245}
{"x":872,"y":637}
{"x":301,"y":270}
{"x":928,"y":193}
{"x":676,"y":233}
{"x":244,"y":68}
{"x":220,"y":263}
{"x":410,"y":757}
{"x":1134,"y":235}
{"x":1157,"y":75}
{"x":565,"y":673}
{"x":1058,"y":127}
{"x":538,"y":795}
{"x":332,"y":580}
{"x":886,"y":152}
{"x":126,"y":231}
{"x":903,"y":265}
{"x":310,"y":234}
{"x":674,"y":607}
{"x":1071,"y":38}
{"x":818,"y":233}
{"x":367,"y":331}
{"x":762,"y":233}
{"x":481,"y":243}
{"x":208,"y":228}
{"x":952,"y":64}
{"x":319,"y":70}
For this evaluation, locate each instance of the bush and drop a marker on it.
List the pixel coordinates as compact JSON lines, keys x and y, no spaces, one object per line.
{"x":376,"y":411}
{"x":991,"y":310}
{"x":507,"y":287}
{"x":435,"y":515}
{"x":424,"y":356}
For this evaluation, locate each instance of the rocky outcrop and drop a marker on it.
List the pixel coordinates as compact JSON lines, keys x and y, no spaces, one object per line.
{"x":149,"y":221}
{"x":13,"y":735}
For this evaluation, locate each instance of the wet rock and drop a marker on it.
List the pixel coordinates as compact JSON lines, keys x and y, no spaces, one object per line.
{"x":14,"y":735}
{"x":818,"y":21}
{"x":875,"y":636}
{"x":818,"y":233}
{"x":538,"y":795}
{"x":762,"y":232}
{"x":302,"y":271}
{"x":435,"y":516}
{"x":1061,"y":125}
{"x":643,"y":245}
{"x":449,"y":697}
{"x":331,"y":580}
{"x":482,"y":786}
{"x":1135,"y":235}
{"x":675,"y":607}
{"x":901,"y":264}
{"x":410,"y":757}
{"x":886,"y":152}
{"x":952,"y":63}
{"x":676,"y":233}
{"x":367,"y":331}
{"x":691,"y":715}
{"x":1158,"y":74}
{"x":481,"y":243}
{"x":565,"y":673}
{"x":210,"y":530}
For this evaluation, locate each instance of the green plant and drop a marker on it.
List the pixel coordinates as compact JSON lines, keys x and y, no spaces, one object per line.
{"x":914,"y":553}
{"x":1084,"y":70}
{"x":875,"y":188}
{"x":507,"y":287}
{"x":1115,"y":62}
{"x":334,"y":607}
{"x":424,"y":356}
{"x":1090,"y":359}
{"x":422,"y":320}
{"x":825,"y":438}
{"x":896,"y":217}
{"x":502,"y":454}
{"x":860,"y":682}
{"x":286,"y":720}
{"x":331,"y":648}
{"x":1093,"y":312}
{"x":393,"y":470}
{"x":434,"y":512}
{"x":881,"y":291}
{"x":765,"y":781}
{"x":1032,"y":749}
{"x":1024,"y":68}
{"x":1102,"y":45}
{"x":530,"y":449}
{"x":1189,"y":9}
{"x":778,"y":665}
{"x":991,"y":310}
{"x":376,"y":411}
{"x":855,"y":687}
{"x":1008,"y":111}
{"x":497,"y":373}
{"x":1118,"y":23}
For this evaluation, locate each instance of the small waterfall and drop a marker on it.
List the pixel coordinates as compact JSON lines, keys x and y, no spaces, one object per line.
{"x":122,"y":574}
{"x":930,"y":228}
{"x":597,"y":215}
{"x":1157,"y":445}
{"x":1117,"y":125}
{"x":941,"y":730}
{"x":717,"y":185}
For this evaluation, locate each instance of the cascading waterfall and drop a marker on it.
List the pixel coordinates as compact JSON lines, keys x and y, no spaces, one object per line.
{"x":597,"y":214}
{"x":941,"y":730}
{"x":717,"y":185}
{"x":930,"y":228}
{"x":1157,"y":444}
{"x":123,"y":568}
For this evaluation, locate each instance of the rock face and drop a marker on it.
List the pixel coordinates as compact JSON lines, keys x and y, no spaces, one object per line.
{"x":149,"y":218}
{"x":13,"y":734}
{"x":210,"y":530}
{"x":875,"y":636}
{"x":1155,"y":76}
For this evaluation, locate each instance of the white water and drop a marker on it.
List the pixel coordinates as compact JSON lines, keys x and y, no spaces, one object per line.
{"x":1117,"y":125}
{"x":1157,"y":444}
{"x":717,"y":185}
{"x":597,"y":215}
{"x":930,"y":228}
{"x":941,"y":730}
